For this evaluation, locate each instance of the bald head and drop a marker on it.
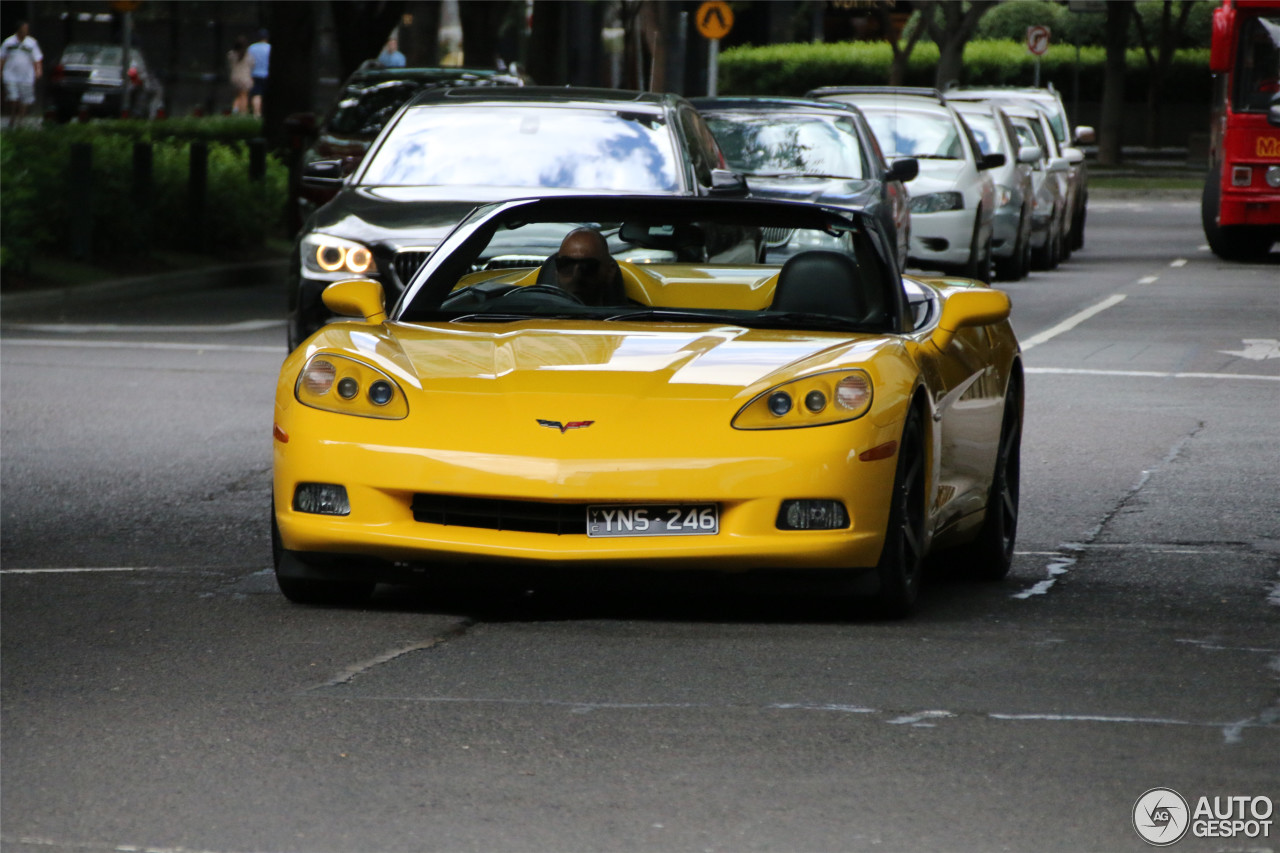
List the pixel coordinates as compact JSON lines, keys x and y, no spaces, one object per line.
{"x":584,"y":266}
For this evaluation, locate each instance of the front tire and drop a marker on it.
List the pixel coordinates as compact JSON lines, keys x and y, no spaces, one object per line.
{"x":901,"y":565}
{"x":290,"y":572}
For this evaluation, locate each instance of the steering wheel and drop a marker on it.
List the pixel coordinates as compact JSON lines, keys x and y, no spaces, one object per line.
{"x":544,"y":289}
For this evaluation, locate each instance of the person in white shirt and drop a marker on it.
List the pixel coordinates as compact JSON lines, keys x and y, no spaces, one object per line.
{"x":21,"y":65}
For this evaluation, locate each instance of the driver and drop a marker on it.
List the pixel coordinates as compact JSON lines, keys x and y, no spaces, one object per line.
{"x":584,"y":267}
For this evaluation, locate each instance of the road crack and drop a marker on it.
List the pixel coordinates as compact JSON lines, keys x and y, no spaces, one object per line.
{"x":350,"y":673}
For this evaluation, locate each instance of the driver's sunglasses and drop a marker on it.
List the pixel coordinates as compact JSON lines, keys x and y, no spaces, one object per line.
{"x":589,"y":266}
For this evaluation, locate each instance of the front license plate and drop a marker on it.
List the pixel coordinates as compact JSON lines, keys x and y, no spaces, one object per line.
{"x":92,"y":98}
{"x":653,"y":520}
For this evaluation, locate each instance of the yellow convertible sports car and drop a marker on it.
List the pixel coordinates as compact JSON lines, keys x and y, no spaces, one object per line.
{"x":740,"y":385}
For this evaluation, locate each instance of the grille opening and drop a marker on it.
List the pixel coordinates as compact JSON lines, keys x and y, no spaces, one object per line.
{"x":497,"y":514}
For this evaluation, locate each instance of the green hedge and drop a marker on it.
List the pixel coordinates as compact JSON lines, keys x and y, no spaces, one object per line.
{"x":793,"y":69}
{"x":34,"y":204}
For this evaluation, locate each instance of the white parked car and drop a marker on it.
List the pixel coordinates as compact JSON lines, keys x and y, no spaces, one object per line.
{"x":953,"y":199}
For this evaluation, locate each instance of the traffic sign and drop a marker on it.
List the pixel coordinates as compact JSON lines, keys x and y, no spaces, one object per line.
{"x":714,"y":19}
{"x":1038,"y":39}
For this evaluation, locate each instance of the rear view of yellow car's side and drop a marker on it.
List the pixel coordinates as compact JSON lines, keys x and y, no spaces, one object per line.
{"x":741,"y":426}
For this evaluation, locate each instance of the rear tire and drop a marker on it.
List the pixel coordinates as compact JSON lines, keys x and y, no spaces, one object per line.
{"x":990,"y":556}
{"x":901,"y":566}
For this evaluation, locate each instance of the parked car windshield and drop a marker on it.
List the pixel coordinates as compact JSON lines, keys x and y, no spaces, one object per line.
{"x":904,"y":133}
{"x":985,"y":131}
{"x":93,"y":54}
{"x":523,"y":146}
{"x":770,"y":144}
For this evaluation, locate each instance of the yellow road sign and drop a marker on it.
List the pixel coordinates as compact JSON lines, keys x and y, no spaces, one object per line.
{"x":714,"y":19}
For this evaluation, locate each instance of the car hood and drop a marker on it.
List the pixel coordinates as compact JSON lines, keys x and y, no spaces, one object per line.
{"x":528,"y":364}
{"x":939,"y":172}
{"x":404,"y":216}
{"x":834,"y":191}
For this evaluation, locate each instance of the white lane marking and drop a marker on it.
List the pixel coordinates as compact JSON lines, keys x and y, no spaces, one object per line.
{"x":94,"y":328}
{"x":1060,"y":564}
{"x":139,"y":345}
{"x":918,"y":719}
{"x":1256,"y":349}
{"x":1180,"y":262}
{"x":1073,"y":321}
{"x":1149,"y":279}
{"x":78,"y":570}
{"x":1149,"y":374}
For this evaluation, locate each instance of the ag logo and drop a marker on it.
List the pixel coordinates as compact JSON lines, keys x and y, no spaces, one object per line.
{"x":1161,"y":816}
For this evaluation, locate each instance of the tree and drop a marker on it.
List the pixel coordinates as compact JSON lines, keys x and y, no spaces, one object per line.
{"x":1111,"y":119}
{"x":959,"y":21}
{"x":363,"y":27}
{"x":901,"y":51}
{"x":1167,"y":38}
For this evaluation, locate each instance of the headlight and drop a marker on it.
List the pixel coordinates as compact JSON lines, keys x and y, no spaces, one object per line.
{"x":937,"y":202}
{"x":828,"y":398}
{"x":344,"y":385}
{"x":334,"y":258}
{"x":1273,"y":177}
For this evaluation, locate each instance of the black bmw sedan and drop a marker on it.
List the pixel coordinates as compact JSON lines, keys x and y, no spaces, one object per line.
{"x":447,"y":151}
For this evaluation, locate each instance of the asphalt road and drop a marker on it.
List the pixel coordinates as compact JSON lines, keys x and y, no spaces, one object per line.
{"x":158,"y":694}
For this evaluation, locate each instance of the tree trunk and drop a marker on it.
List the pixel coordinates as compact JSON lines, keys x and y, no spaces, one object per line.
{"x":481,"y":22}
{"x":363,"y":27}
{"x":958,"y":25}
{"x":420,"y":39}
{"x":1111,"y":119}
{"x":291,"y":81}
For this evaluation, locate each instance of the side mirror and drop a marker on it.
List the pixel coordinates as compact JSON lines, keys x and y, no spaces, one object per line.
{"x":1074,"y":156}
{"x":1029,"y":154}
{"x":991,"y":161}
{"x":726,"y":182}
{"x":903,"y":170}
{"x":1059,"y":164}
{"x":962,"y":309}
{"x":323,"y":174}
{"x":1085,"y":135}
{"x":357,"y":297}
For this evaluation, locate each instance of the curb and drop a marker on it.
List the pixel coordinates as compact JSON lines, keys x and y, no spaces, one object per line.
{"x":197,"y":278}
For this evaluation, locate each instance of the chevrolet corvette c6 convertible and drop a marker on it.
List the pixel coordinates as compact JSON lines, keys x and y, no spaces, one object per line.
{"x":715,"y":409}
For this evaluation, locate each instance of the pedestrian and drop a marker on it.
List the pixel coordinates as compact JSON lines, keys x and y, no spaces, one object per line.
{"x":21,"y":65}
{"x":391,"y":57}
{"x":240,"y":68}
{"x":260,"y":50}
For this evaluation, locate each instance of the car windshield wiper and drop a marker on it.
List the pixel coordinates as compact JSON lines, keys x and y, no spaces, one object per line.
{"x":676,"y":316}
{"x":800,"y":175}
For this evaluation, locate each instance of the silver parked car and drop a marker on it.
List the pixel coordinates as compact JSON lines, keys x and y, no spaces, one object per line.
{"x":1049,"y":101}
{"x":1050,"y":178}
{"x":93,"y":80}
{"x":1011,"y":226}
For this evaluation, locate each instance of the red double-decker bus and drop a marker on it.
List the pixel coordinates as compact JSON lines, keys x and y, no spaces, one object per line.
{"x":1241,"y":203}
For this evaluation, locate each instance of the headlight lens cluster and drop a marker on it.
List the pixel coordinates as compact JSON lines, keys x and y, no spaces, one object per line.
{"x":336,"y":383}
{"x":327,"y":257}
{"x":824,"y":398}
{"x":937,"y":202}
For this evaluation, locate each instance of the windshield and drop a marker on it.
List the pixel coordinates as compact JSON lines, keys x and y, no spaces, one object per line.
{"x":657,"y":268}
{"x":1258,"y":64}
{"x":527,"y":146}
{"x":985,"y":131}
{"x":771,"y":144}
{"x":916,"y":134}
{"x":93,"y":54}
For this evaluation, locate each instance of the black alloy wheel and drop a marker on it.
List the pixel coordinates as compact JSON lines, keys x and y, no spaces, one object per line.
{"x":901,"y":565}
